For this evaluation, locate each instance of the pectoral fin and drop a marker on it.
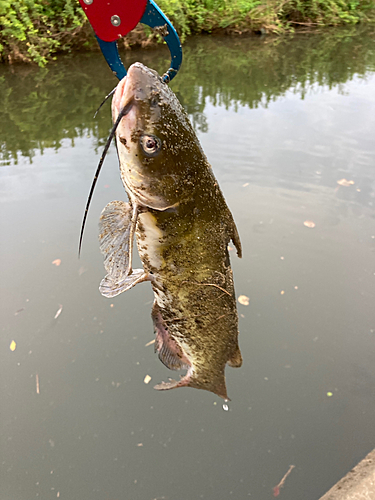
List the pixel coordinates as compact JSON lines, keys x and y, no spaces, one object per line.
{"x":110,"y":288}
{"x":117,"y":226}
{"x":114,"y":236}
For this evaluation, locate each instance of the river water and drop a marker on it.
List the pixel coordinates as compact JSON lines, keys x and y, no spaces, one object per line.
{"x":281,"y":121}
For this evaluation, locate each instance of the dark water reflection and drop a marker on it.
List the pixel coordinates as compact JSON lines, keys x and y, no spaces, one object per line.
{"x":281,"y":123}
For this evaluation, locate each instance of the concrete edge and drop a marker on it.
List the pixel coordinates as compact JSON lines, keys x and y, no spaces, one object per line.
{"x":358,"y":484}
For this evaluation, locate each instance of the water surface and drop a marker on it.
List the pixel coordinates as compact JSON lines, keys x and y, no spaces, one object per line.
{"x":281,"y":122}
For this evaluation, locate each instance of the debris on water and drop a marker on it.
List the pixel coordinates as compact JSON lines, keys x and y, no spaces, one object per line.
{"x":244,"y":300}
{"x":58,"y":312}
{"x":140,"y":444}
{"x":329,"y":394}
{"x":56,"y":262}
{"x":37,"y":383}
{"x":276,"y":489}
{"x":147,"y":379}
{"x":282,"y":292}
{"x":344,"y":182}
{"x":112,"y":305}
{"x":13,"y":346}
{"x":246,"y":184}
{"x":225,"y":406}
{"x":19,"y":310}
{"x":81,"y":270}
{"x":296,"y":287}
{"x":150,"y":343}
{"x":282,"y":258}
{"x":309,"y":223}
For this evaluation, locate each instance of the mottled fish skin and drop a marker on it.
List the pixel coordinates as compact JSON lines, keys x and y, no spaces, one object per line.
{"x":183,"y":227}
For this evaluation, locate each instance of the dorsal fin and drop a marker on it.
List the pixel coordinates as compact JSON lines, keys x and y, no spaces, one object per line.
{"x":235,"y":237}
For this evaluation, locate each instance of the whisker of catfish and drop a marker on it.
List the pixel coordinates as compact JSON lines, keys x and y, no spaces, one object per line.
{"x":105,"y":99}
{"x":125,"y":110}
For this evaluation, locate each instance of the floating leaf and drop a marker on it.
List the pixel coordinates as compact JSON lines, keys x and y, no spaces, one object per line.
{"x":13,"y":346}
{"x":344,"y":182}
{"x":309,"y":223}
{"x":147,"y":379}
{"x":58,"y":312}
{"x":245,"y":301}
{"x":329,"y":394}
{"x":56,"y":262}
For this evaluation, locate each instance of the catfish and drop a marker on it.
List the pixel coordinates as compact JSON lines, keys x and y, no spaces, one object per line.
{"x":182,"y":226}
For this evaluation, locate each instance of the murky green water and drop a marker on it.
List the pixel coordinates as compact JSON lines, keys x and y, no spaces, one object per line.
{"x":281,"y":123}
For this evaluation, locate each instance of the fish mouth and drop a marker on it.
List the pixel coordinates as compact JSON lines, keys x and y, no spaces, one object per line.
{"x":138,"y":85}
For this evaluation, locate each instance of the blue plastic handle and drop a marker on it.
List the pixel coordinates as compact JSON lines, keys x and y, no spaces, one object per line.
{"x":154,"y":18}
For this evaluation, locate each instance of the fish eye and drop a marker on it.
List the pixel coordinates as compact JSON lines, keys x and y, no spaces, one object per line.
{"x":150,"y":144}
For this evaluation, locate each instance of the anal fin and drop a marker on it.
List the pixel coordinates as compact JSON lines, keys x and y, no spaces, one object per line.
{"x":169,"y":352}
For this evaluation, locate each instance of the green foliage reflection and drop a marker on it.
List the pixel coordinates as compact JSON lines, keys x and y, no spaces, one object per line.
{"x":39,"y":108}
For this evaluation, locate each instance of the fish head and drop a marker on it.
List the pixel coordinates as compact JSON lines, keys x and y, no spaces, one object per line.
{"x":157,"y":146}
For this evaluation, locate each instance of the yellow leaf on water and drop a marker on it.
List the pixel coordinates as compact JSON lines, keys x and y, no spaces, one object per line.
{"x":13,"y":346}
{"x":147,"y":379}
{"x":245,"y":301}
{"x":309,"y":223}
{"x":56,"y":262}
{"x":344,"y":182}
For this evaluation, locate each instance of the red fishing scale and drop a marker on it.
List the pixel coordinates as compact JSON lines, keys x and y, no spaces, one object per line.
{"x":112,"y":19}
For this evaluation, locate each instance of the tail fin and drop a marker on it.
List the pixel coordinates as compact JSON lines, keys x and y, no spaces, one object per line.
{"x":217,"y":386}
